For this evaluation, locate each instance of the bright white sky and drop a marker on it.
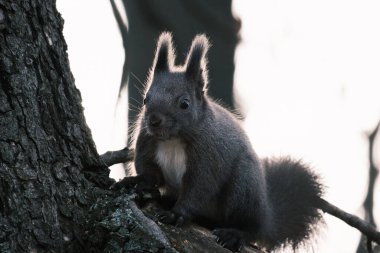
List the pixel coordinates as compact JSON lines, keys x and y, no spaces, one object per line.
{"x":308,"y":74}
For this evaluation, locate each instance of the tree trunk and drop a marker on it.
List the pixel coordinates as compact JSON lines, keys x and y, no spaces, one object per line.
{"x":44,"y":140}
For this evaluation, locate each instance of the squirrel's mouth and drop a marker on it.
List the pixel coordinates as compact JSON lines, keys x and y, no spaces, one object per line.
{"x":163,"y":130}
{"x":159,"y":133}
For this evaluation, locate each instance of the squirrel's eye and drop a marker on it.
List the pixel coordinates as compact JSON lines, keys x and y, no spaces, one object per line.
{"x":185,"y":103}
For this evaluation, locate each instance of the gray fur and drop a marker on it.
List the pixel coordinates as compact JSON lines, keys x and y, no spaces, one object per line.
{"x":222,"y":180}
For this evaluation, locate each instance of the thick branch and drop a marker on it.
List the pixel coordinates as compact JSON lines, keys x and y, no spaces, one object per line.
{"x":352,"y":220}
{"x":149,"y":224}
{"x":120,"y":156}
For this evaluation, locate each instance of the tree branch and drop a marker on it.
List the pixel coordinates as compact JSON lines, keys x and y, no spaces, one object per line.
{"x":123,"y":28}
{"x":373,"y":173}
{"x":352,"y":220}
{"x":120,"y":156}
{"x":120,"y":23}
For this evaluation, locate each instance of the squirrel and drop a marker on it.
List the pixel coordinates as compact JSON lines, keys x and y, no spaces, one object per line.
{"x":198,"y":151}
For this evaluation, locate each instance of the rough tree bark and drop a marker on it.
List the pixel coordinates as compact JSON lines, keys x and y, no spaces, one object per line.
{"x":44,"y":140}
{"x":54,"y":193}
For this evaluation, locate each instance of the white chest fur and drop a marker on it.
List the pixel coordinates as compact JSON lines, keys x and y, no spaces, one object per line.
{"x":171,"y":157}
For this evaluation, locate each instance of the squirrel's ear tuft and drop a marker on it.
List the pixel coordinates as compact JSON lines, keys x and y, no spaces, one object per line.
{"x":164,"y":58}
{"x":196,"y":63}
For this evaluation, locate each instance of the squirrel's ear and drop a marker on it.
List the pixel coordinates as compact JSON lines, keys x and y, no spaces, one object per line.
{"x":164,"y":58}
{"x":196,"y":63}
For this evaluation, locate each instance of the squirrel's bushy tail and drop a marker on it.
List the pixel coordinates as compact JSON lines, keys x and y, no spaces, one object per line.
{"x":294,"y":192}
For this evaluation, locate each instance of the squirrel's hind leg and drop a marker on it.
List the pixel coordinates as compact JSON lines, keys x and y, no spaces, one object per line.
{"x":231,"y":238}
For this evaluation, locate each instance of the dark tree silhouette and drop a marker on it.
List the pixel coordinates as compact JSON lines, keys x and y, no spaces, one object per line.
{"x":368,"y":202}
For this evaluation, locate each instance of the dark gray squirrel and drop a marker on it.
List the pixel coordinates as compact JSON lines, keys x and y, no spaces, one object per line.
{"x":199,"y":154}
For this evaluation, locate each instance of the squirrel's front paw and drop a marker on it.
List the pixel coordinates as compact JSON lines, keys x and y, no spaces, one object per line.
{"x":127,"y":182}
{"x":169,"y":217}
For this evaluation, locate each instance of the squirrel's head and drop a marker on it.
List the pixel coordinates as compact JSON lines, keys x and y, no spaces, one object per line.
{"x":175,"y":95}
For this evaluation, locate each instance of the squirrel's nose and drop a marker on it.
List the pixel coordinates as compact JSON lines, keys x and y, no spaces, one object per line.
{"x":155,"y":120}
